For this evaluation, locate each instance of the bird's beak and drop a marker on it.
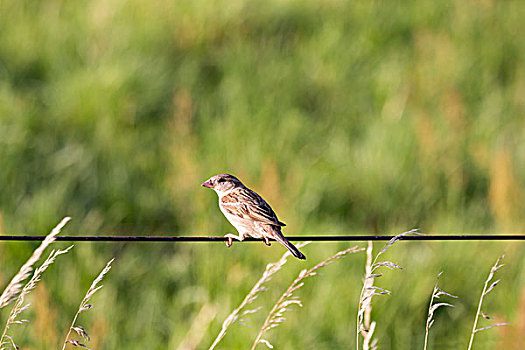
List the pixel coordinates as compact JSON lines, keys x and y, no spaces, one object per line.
{"x":207,"y":184}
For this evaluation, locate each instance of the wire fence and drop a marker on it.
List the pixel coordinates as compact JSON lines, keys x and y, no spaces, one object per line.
{"x":317,"y":238}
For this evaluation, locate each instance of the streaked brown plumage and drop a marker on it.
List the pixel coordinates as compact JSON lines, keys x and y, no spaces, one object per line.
{"x":248,"y":212}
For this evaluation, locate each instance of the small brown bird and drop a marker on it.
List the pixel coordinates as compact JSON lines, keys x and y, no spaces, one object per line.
{"x":248,"y":212}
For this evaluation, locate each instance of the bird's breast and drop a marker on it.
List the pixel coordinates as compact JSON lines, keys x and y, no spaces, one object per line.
{"x":240,"y":222}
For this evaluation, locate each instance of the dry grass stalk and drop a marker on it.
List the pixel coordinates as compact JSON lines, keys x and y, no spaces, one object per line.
{"x":368,"y":343}
{"x":363,"y":323}
{"x":83,"y":307}
{"x":196,"y":332}
{"x":276,"y":315}
{"x":367,"y":321}
{"x":18,"y":308}
{"x":436,"y":294}
{"x":14,"y":287}
{"x":486,"y":290}
{"x":235,"y":315}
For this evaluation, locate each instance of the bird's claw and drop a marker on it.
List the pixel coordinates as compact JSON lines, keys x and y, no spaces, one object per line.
{"x":230,"y":237}
{"x":267,"y":241}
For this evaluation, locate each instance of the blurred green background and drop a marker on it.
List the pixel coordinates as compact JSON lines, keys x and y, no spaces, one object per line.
{"x":366,"y":117}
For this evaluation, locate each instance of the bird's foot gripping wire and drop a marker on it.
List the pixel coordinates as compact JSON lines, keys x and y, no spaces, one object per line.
{"x":231,"y":237}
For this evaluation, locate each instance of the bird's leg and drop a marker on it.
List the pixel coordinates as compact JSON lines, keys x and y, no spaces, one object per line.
{"x":267,"y":241}
{"x":231,"y":237}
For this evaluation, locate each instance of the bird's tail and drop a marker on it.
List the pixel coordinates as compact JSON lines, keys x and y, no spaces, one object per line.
{"x":293,"y":249}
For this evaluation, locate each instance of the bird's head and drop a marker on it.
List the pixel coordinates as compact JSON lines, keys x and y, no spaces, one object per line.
{"x":222,"y":183}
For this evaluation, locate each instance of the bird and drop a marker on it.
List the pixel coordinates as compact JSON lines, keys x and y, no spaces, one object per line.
{"x":248,"y":212}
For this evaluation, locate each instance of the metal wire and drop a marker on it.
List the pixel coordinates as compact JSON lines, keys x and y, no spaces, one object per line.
{"x":319,"y":238}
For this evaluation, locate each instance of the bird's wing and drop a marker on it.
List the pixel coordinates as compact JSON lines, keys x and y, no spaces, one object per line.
{"x":249,"y":204}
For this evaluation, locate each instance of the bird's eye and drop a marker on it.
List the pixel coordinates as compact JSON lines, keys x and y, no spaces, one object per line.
{"x":221,"y":180}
